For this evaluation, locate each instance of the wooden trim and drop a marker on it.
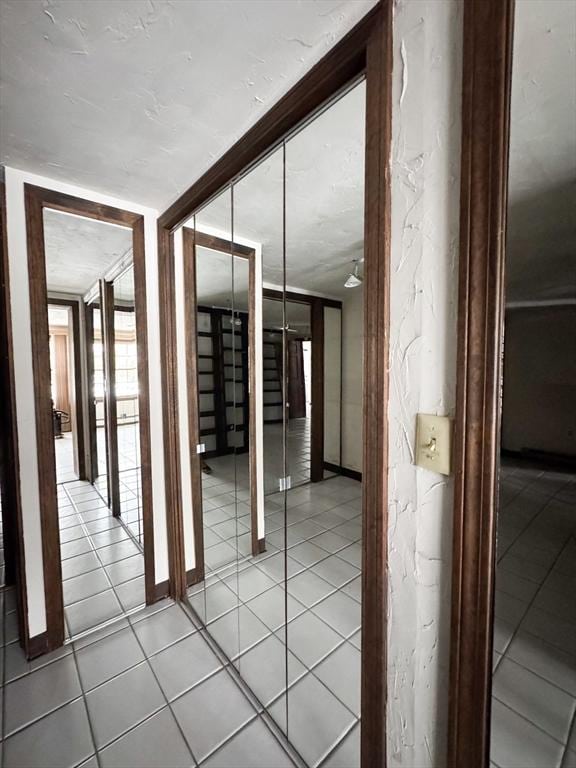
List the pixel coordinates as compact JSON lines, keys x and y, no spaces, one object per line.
{"x":225,"y":246}
{"x":15,"y":572}
{"x":37,"y":646}
{"x":317,"y":387}
{"x":92,"y":433}
{"x":353,"y":474}
{"x":161,"y":590}
{"x":141,"y":310}
{"x":191,"y":335}
{"x":36,"y":199}
{"x":170,"y":418}
{"x":43,"y":410}
{"x":374,"y":682}
{"x":485,"y":132}
{"x":78,"y":404}
{"x":110,"y":404}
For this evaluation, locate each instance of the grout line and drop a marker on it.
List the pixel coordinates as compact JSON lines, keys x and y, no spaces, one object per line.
{"x":527,"y":719}
{"x":151,"y":668}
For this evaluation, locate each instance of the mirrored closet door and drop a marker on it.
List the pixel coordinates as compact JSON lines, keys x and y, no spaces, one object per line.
{"x":269,"y":285}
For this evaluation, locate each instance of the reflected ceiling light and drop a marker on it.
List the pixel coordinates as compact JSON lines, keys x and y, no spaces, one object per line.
{"x":354,"y":279}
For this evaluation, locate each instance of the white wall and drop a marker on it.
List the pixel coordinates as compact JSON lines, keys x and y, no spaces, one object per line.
{"x":25,"y":417}
{"x":425,"y":217}
{"x":352,"y":381}
{"x":540,"y":380}
{"x":332,"y":384}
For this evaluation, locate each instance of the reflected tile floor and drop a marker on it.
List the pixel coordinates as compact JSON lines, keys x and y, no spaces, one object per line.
{"x":102,"y":564}
{"x":242,"y":606}
{"x":128,"y":695}
{"x":534,"y":686}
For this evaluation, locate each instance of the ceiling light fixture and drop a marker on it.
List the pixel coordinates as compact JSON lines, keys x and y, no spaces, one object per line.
{"x":354,"y":279}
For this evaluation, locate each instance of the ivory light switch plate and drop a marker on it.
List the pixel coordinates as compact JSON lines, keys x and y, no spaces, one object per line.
{"x":433,"y":442}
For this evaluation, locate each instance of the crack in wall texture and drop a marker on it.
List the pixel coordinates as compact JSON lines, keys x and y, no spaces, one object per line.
{"x":425,"y":173}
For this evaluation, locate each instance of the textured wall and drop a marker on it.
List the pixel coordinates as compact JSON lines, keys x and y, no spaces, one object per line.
{"x":425,"y":214}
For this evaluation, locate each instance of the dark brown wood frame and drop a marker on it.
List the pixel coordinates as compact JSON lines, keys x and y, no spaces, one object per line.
{"x":15,"y":562}
{"x":367,"y":49}
{"x":91,"y":406}
{"x":316,"y":304}
{"x":110,"y":404}
{"x":36,"y":200}
{"x":74,"y":306}
{"x":191,"y":239}
{"x":485,"y":136}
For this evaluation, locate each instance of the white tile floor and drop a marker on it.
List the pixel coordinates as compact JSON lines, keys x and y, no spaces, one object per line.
{"x":147,"y":691}
{"x":313,"y":690}
{"x":534,"y":687}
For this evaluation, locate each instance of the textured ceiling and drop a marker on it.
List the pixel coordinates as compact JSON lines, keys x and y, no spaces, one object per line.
{"x":80,"y":251}
{"x":137,"y":98}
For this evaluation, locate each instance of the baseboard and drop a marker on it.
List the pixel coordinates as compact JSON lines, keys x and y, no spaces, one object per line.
{"x":353,"y":474}
{"x":542,"y":457}
{"x":161,"y":590}
{"x":194,"y":576}
{"x":37,"y":646}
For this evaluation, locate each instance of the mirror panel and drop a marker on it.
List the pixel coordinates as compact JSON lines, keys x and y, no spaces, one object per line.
{"x":324,"y":246}
{"x":97,"y":393}
{"x":127,"y":413}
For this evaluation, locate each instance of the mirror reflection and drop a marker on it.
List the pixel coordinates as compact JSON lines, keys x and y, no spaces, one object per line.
{"x":94,"y":388}
{"x":282,"y":528}
{"x":534,"y":640}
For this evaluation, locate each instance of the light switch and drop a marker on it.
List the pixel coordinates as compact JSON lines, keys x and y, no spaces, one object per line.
{"x":433,"y":442}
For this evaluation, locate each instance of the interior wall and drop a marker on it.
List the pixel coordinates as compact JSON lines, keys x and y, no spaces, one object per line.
{"x":332,"y":384}
{"x":425,"y":181}
{"x":352,"y":381}
{"x":23,"y":374}
{"x":540,"y":380}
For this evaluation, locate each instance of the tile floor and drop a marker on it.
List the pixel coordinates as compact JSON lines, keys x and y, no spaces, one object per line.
{"x":102,"y":562}
{"x":534,"y":686}
{"x":147,"y":691}
{"x":306,"y":670}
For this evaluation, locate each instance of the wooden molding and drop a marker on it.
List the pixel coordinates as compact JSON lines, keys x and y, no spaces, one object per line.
{"x":170,"y":417}
{"x":141,"y":310}
{"x":43,"y":410}
{"x":485,"y":133}
{"x":374,"y":683}
{"x":78,"y":404}
{"x":110,"y":404}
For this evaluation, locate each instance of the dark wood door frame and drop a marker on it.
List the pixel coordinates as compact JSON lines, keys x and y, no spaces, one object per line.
{"x":15,"y":562}
{"x":317,"y":305}
{"x":191,"y":239}
{"x":488,"y":26}
{"x":36,"y":200}
{"x":74,"y":307}
{"x":365,"y":50}
{"x":110,"y":404}
{"x":92,"y":470}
